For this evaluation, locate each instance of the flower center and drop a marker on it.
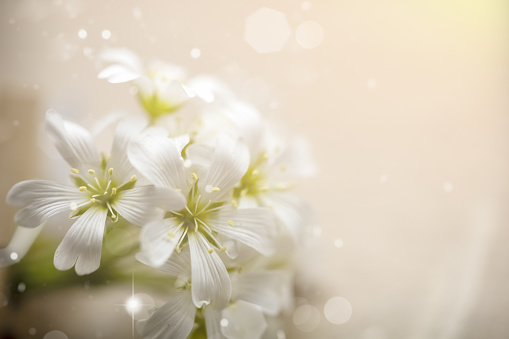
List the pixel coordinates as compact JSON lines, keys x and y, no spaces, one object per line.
{"x":101,"y":189}
{"x":193,"y":218}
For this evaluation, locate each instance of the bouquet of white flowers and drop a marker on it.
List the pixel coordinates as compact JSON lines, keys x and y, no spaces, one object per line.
{"x":207,"y":178}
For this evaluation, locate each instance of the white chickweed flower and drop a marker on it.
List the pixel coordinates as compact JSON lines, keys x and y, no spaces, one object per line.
{"x":105,"y":188}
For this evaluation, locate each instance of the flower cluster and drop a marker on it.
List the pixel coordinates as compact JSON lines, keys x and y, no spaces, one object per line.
{"x":207,"y":178}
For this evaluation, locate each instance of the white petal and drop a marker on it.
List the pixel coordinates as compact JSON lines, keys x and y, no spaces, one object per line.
{"x":229,"y":164}
{"x":245,"y":321}
{"x":117,"y":74}
{"x":158,"y":240}
{"x":294,"y":213}
{"x":20,"y":243}
{"x":210,"y":280}
{"x":83,"y":243}
{"x":260,"y":288}
{"x":173,"y":93}
{"x":250,"y":125}
{"x":124,"y":133}
{"x":122,"y":56}
{"x":73,"y":142}
{"x":42,"y":199}
{"x":140,"y":205}
{"x":179,"y":264}
{"x":173,"y":320}
{"x":296,"y":159}
{"x":200,"y":156}
{"x":158,"y":159}
{"x":252,"y":226}
{"x":212,"y":322}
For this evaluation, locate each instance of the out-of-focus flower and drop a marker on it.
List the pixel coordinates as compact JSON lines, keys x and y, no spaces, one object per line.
{"x":210,"y":217}
{"x":276,"y":163}
{"x":105,"y":187}
{"x":162,"y":87}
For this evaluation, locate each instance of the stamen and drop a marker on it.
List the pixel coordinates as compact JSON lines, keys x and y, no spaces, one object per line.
{"x":74,"y":207}
{"x":111,"y":209}
{"x":110,"y":171}
{"x":196,"y":203}
{"x":95,"y":195}
{"x":133,"y":178}
{"x":204,"y":208}
{"x":255,"y":172}
{"x":194,"y":176}
{"x":231,"y":223}
{"x":211,"y":250}
{"x":93,"y":200}
{"x":235,"y":204}
{"x":98,"y":183}
{"x":113,"y":191}
{"x":223,"y":249}
{"x":177,"y":247}
{"x":75,"y":170}
{"x":107,"y":186}
{"x":171,"y":235}
{"x":216,"y":189}
{"x":83,"y":188}
{"x":91,"y":171}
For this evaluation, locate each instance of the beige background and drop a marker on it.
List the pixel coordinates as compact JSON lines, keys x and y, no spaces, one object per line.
{"x":406,"y":106}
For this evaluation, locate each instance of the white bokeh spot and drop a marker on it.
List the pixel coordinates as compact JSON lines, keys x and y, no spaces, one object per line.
{"x":267,"y":30}
{"x":309,"y":34}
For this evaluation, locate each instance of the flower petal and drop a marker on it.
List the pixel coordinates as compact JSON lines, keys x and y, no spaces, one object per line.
{"x":179,"y":264}
{"x":294,"y":213}
{"x":252,"y":226}
{"x":212,"y":322}
{"x":124,"y":57}
{"x":245,"y":321}
{"x":158,"y":240}
{"x":20,"y":243}
{"x":42,"y":199}
{"x":229,"y":164}
{"x":158,"y":159}
{"x":173,"y":320}
{"x":82,"y":244}
{"x":210,"y":280}
{"x":261,"y":288}
{"x":124,"y":133}
{"x":73,"y":142}
{"x":140,"y":205}
{"x":117,"y":74}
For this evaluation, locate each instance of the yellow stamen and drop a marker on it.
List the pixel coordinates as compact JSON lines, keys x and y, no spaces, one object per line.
{"x":75,"y":170}
{"x":110,"y":171}
{"x":91,"y":171}
{"x":113,"y":191}
{"x":223,"y":249}
{"x":83,"y":188}
{"x":171,"y":235}
{"x":215,"y":189}
{"x":256,"y":171}
{"x":133,"y":178}
{"x":74,"y":207}
{"x":211,"y":250}
{"x":235,"y":204}
{"x":231,"y":223}
{"x":194,"y":176}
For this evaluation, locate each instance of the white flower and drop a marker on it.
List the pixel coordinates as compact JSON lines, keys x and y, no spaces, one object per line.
{"x":162,"y":87}
{"x":276,"y":162}
{"x":105,"y":187}
{"x":210,"y":216}
{"x":176,"y":318}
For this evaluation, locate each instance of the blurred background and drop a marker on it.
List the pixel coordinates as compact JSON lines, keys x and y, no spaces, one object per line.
{"x":405,"y":103}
